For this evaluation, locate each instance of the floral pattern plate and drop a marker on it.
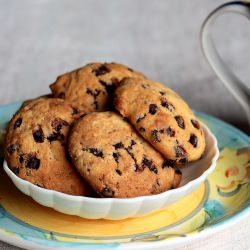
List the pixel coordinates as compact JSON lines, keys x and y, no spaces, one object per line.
{"x":218,"y":203}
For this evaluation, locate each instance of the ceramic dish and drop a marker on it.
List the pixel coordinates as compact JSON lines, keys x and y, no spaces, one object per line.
{"x":194,"y":175}
{"x":216,"y":205}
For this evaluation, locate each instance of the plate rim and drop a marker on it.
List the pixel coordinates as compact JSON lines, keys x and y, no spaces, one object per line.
{"x":135,"y":245}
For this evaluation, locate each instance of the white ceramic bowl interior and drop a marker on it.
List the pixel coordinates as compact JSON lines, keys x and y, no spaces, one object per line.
{"x":193,"y":175}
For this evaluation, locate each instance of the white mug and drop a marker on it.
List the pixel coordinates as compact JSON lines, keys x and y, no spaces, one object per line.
{"x":240,"y":91}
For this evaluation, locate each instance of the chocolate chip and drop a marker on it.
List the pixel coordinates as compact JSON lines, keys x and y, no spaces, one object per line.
{"x":132,"y":143}
{"x":118,"y":145}
{"x":38,"y":135}
{"x":141,"y":118}
{"x":195,"y":123}
{"x":154,"y":169}
{"x":30,"y":160}
{"x":183,"y":160}
{"x":93,"y":93}
{"x":22,"y":158}
{"x":15,"y":170}
{"x":180,"y":121}
{"x":118,"y":171}
{"x":138,"y":168}
{"x":18,"y":123}
{"x":102,"y":70}
{"x":58,"y":123}
{"x":178,"y":171}
{"x":96,"y":152}
{"x":131,"y":70}
{"x":55,"y":136}
{"x":110,"y":88}
{"x":180,"y":151}
{"x":170,"y":132}
{"x":153,"y":109}
{"x":156,"y":135}
{"x":193,"y":140}
{"x":145,"y":86}
{"x":167,"y":105}
{"x":149,"y":164}
{"x":162,"y":93}
{"x":61,"y":95}
{"x":116,"y":156}
{"x":168,"y":163}
{"x":75,"y":111}
{"x":107,"y":193}
{"x":141,"y":129}
{"x":13,"y":148}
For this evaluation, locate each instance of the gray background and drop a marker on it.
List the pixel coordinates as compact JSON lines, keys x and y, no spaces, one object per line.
{"x":42,"y":39}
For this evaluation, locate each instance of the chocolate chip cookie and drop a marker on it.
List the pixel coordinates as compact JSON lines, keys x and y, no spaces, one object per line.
{"x":90,"y":88}
{"x":115,"y":160}
{"x":35,"y":146}
{"x":163,"y":118}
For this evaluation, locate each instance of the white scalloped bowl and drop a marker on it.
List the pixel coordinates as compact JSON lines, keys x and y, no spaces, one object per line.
{"x":193,"y":175}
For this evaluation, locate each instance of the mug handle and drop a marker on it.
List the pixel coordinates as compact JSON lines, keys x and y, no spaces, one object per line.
{"x":234,"y":85}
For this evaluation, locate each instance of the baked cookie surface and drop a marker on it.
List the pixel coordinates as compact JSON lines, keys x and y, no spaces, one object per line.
{"x":91,"y":87}
{"x":163,"y":118}
{"x":115,"y":160}
{"x":35,"y":146}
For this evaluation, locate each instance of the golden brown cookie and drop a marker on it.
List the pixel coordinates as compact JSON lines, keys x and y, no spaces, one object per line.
{"x":163,"y":118}
{"x":36,"y":98}
{"x":90,"y":88}
{"x":115,"y":160}
{"x":35,"y":146}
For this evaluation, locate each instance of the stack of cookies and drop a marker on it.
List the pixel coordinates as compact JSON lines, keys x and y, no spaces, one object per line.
{"x":105,"y":131}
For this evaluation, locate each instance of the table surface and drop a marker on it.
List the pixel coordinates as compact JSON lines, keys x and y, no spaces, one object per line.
{"x":42,"y":39}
